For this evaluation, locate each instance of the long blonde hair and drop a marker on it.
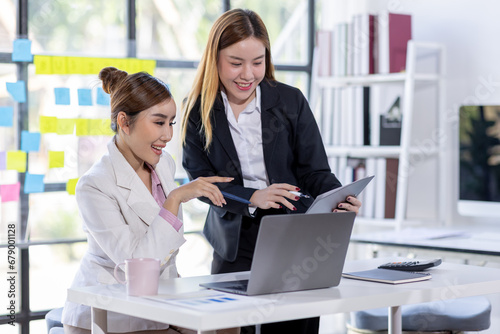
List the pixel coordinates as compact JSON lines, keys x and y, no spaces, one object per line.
{"x":231,"y":27}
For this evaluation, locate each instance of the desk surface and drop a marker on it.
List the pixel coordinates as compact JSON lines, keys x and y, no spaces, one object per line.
{"x":449,"y":281}
{"x":452,"y":240}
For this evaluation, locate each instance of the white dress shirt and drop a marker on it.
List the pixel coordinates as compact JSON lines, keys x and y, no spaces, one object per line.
{"x":247,"y":137}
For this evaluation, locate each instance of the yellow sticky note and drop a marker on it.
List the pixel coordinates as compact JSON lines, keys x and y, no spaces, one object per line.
{"x":71,"y":186}
{"x":148,"y":66}
{"x":74,"y":65}
{"x":82,"y":127}
{"x":118,"y":63}
{"x":65,"y":126}
{"x":93,"y":65}
{"x":59,"y":65}
{"x":125,"y":65}
{"x":105,"y":62}
{"x":56,"y":159}
{"x":16,"y":160}
{"x":43,"y":64}
{"x":100,"y":127}
{"x":48,"y":124}
{"x":133,"y":66}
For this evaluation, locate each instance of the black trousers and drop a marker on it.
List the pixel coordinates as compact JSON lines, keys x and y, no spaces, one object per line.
{"x":243,"y":262}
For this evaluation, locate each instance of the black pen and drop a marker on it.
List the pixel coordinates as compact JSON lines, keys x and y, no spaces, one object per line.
{"x":235,"y":198}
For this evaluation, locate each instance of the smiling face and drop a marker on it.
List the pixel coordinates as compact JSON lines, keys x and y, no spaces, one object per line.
{"x":241,"y":68}
{"x":144,"y":140}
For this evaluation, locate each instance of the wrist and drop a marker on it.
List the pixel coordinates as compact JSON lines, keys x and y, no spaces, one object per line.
{"x":172,"y":202}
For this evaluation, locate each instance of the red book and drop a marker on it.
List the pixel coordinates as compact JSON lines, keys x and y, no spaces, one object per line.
{"x":372,"y":30}
{"x":394,"y":32}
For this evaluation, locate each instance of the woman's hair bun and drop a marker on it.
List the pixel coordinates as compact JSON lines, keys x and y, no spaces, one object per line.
{"x":111,"y":78}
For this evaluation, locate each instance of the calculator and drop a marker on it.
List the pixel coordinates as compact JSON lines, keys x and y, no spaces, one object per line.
{"x":414,"y":265}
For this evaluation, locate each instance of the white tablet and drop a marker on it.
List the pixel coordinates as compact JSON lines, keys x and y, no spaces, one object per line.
{"x":325,"y":202}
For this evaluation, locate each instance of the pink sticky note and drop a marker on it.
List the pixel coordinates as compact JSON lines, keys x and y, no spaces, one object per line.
{"x":10,"y":192}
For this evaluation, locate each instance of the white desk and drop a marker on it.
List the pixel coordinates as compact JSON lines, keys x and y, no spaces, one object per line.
{"x":449,"y":281}
{"x":450,"y":240}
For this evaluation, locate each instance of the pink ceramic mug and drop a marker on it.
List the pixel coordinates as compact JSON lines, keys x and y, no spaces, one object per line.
{"x":142,"y":275}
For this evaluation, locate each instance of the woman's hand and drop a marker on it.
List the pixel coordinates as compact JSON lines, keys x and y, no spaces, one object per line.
{"x":351,"y":204}
{"x":275,"y":196}
{"x":200,"y":187}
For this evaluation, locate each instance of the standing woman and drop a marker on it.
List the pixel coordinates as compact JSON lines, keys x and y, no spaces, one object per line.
{"x":240,"y":122}
{"x":128,"y":200}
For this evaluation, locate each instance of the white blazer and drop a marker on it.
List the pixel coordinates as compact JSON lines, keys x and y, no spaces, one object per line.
{"x":120,"y":217}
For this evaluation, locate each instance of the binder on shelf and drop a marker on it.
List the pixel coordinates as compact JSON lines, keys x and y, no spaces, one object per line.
{"x":390,"y":125}
{"x":388,"y":276}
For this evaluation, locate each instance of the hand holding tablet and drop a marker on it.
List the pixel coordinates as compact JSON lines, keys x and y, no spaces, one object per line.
{"x":325,"y":202}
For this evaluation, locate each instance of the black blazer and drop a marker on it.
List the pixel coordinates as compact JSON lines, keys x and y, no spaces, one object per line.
{"x":293,"y":153}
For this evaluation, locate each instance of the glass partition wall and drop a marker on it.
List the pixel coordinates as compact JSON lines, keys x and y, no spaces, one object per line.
{"x":41,"y":239}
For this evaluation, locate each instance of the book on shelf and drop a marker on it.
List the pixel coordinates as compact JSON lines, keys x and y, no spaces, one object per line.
{"x":324,"y":49}
{"x":367,"y":44}
{"x":388,"y":276}
{"x":340,"y":49}
{"x":364,"y":38}
{"x":366,"y":116}
{"x":392,"y":36}
{"x":391,"y":187}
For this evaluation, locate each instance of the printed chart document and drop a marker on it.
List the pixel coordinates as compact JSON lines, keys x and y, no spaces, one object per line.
{"x":325,"y":202}
{"x":209,"y":300}
{"x":388,"y":276}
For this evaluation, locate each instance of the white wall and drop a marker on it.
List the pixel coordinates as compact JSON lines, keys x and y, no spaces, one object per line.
{"x":470,"y":31}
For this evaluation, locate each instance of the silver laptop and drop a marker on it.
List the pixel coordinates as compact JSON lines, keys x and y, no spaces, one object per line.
{"x":295,"y":252}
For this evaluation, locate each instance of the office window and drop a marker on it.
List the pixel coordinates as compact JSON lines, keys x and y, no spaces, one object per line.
{"x":7,"y":25}
{"x":286,"y":22}
{"x":8,"y":210}
{"x":38,"y":326}
{"x":7,"y":134}
{"x":179,"y":81}
{"x":54,"y":216}
{"x":51,"y":268}
{"x":78,"y":27}
{"x":295,"y":79}
{"x":174,"y":29}
{"x":172,"y":32}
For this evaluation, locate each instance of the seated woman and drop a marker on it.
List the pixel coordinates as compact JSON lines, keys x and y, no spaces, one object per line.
{"x":128,"y":200}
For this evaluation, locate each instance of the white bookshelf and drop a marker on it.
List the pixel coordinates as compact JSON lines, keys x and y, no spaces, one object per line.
{"x":410,"y":80}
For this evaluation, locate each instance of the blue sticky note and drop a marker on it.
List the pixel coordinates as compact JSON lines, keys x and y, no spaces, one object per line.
{"x":30,"y":141}
{"x":21,"y":50}
{"x":102,"y":97}
{"x":17,"y":90}
{"x":33,"y":183}
{"x":6,"y":116}
{"x":3,"y":160}
{"x":62,"y":96}
{"x":84,"y":97}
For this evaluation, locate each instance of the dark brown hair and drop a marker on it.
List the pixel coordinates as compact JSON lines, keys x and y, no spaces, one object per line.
{"x":132,"y":93}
